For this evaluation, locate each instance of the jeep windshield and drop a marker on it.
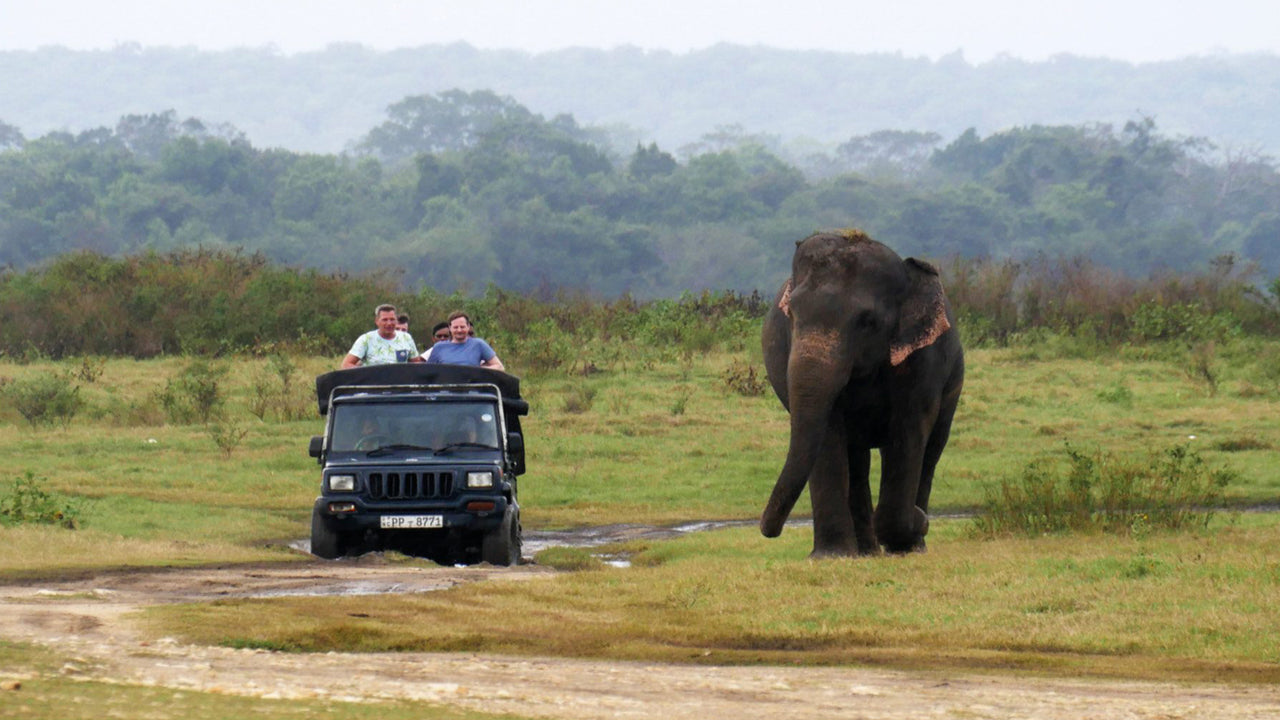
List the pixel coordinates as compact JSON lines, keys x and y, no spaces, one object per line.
{"x":439,"y":426}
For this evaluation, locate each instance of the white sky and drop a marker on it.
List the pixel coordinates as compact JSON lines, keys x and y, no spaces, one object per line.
{"x":1133,"y":30}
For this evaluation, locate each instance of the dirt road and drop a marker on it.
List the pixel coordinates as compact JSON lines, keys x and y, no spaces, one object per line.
{"x":87,"y":620}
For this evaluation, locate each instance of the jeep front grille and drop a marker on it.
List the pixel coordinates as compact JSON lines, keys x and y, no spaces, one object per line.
{"x":409,"y":485}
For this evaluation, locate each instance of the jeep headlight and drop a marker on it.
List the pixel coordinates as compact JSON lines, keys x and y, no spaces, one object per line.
{"x":482,"y":479}
{"x":342,"y":483}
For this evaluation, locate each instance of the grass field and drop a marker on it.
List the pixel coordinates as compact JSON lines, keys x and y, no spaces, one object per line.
{"x":669,"y":442}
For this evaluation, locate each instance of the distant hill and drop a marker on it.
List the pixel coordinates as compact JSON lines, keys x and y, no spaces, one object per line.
{"x":323,"y":101}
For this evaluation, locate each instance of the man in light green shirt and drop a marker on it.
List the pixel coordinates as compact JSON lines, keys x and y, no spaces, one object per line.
{"x":384,"y":345}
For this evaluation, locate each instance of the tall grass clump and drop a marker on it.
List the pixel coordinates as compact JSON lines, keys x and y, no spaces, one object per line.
{"x":1171,"y":489}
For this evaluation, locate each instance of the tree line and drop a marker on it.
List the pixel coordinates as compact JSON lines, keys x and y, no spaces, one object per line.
{"x":221,"y":302}
{"x":461,"y":190}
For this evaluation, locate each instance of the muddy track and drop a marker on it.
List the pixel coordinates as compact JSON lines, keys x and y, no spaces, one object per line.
{"x":87,"y":620}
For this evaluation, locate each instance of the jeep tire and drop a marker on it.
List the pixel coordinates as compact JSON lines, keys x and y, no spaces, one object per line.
{"x":502,"y":546}
{"x":325,"y":541}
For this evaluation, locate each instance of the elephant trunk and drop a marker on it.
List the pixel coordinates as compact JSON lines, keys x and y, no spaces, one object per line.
{"x":816,"y":373}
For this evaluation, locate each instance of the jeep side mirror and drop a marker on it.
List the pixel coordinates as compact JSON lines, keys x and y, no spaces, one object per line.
{"x":515,"y":443}
{"x":317,"y":446}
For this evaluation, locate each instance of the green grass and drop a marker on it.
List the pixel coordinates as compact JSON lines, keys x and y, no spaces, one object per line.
{"x":668,"y":441}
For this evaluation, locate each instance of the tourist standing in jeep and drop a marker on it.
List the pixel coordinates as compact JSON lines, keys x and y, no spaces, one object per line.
{"x":384,"y":345}
{"x":462,"y":349}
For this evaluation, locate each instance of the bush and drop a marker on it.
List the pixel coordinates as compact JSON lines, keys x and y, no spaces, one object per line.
{"x":44,"y":400}
{"x":542,"y":347}
{"x":741,"y":377}
{"x":29,"y":503}
{"x":196,"y":394}
{"x":275,"y":393}
{"x":227,"y":436}
{"x":1171,"y":489}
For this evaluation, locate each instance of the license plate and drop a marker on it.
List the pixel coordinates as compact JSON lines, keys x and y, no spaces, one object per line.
{"x":410,"y":522}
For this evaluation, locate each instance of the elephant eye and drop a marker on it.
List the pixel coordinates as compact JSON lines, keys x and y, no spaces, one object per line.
{"x":866,"y":320}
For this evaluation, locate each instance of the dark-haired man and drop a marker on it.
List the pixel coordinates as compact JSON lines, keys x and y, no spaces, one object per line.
{"x":462,"y":349}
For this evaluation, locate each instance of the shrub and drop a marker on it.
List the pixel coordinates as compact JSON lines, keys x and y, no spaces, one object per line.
{"x":741,"y":377}
{"x":91,"y":368}
{"x":541,"y":347}
{"x":274,"y":391}
{"x":28,"y":503}
{"x":196,"y":394}
{"x":44,"y":400}
{"x":1171,"y":489}
{"x":227,"y":436}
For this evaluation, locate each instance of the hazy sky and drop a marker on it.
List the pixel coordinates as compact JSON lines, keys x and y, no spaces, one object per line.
{"x":1134,"y":30}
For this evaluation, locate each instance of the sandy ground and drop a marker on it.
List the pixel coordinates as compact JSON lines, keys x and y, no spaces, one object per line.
{"x":87,"y":620}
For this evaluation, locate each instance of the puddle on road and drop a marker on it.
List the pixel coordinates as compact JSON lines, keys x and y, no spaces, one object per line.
{"x":535,"y":541}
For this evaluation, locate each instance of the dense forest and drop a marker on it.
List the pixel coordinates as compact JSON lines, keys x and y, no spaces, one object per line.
{"x":460,"y":190}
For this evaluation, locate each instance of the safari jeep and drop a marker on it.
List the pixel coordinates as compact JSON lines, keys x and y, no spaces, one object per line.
{"x":420,"y":458}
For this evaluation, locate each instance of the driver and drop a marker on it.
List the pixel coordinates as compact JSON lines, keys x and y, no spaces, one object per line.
{"x":371,"y":436}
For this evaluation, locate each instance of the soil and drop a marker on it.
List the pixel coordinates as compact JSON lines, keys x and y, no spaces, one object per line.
{"x":88,"y":620}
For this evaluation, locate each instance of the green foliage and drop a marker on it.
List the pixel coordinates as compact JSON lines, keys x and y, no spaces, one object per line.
{"x":542,"y":347}
{"x":226,"y":435}
{"x":27,"y":502}
{"x":461,"y":189}
{"x":45,"y":399}
{"x":1171,"y":489}
{"x":275,"y":391}
{"x":196,"y":395}
{"x":1190,"y":323}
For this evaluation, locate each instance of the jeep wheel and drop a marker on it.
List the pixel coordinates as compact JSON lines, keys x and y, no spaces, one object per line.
{"x":325,"y":541}
{"x":502,"y":545}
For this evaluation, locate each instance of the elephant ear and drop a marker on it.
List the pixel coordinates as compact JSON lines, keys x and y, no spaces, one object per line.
{"x":923,"y":317}
{"x":784,"y":298}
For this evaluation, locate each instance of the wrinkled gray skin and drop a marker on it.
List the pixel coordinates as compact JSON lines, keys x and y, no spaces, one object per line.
{"x":861,"y":347}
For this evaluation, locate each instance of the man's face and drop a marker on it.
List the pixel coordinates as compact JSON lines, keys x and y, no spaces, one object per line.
{"x":387,"y":324}
{"x":459,"y":329}
{"x":402,"y":325}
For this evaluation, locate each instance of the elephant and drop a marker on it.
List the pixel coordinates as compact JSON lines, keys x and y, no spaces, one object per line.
{"x":862,"y":349}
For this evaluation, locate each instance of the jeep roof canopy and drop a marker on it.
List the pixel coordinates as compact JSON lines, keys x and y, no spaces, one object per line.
{"x":411,"y":374}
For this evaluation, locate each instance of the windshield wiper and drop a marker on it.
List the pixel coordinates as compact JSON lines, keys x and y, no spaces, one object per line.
{"x":387,"y":449}
{"x":454,"y":446}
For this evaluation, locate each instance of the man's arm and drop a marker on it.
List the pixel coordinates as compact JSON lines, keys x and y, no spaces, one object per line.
{"x":493,"y":363}
{"x":350,"y":361}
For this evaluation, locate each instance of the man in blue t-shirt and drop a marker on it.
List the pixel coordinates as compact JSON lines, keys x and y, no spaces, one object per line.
{"x":384,"y":345}
{"x":462,"y":349}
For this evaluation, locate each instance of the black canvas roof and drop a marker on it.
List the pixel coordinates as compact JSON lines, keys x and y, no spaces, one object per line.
{"x":421,"y":374}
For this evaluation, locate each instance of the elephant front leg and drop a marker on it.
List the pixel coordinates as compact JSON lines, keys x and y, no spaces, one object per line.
{"x":860,"y":500}
{"x":833,"y":525}
{"x":900,"y":524}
